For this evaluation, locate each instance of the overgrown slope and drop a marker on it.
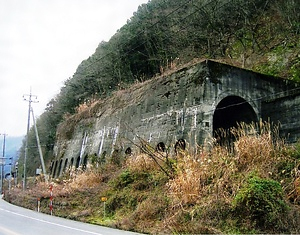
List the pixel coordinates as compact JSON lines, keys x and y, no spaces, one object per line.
{"x":254,"y":189}
{"x":261,"y":35}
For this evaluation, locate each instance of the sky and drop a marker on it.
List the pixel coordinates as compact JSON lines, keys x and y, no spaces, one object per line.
{"x":42,"y":42}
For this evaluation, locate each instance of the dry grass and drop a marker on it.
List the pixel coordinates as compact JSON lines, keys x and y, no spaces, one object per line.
{"x":219,"y":172}
{"x":206,"y":184}
{"x":80,"y":180}
{"x":198,"y":196}
{"x":257,"y":147}
{"x":141,"y":162}
{"x":208,"y":174}
{"x":186,"y":186}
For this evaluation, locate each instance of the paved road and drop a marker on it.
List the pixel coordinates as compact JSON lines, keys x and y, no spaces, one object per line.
{"x":19,"y":221}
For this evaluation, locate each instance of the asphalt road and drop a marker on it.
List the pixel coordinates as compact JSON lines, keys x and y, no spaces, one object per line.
{"x":19,"y":221}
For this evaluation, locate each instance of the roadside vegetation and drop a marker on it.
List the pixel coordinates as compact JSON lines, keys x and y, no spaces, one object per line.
{"x":251,"y":185}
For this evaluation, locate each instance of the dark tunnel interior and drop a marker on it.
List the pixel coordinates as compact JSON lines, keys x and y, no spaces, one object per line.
{"x":232,"y":110}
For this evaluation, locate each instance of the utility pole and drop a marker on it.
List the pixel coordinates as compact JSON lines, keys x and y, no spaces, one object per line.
{"x":39,"y":147}
{"x":29,"y":99}
{"x":2,"y":161}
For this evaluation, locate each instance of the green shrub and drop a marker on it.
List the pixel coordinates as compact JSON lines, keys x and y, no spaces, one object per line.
{"x":122,"y":200}
{"x":295,"y":71}
{"x":117,"y":158}
{"x":123,"y":180}
{"x":295,"y":153}
{"x":261,"y":201}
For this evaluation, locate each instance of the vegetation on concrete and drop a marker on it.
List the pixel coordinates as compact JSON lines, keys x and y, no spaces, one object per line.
{"x":260,"y":35}
{"x":249,"y":186}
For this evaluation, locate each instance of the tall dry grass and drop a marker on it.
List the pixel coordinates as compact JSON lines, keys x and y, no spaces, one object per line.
{"x":257,"y":147}
{"x":218,"y":173}
{"x":79,"y":179}
{"x":141,"y":162}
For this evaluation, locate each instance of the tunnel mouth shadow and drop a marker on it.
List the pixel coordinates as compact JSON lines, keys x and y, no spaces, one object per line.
{"x":229,"y":113}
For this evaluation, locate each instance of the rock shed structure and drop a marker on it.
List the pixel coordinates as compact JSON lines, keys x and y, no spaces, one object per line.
{"x":185,"y":107}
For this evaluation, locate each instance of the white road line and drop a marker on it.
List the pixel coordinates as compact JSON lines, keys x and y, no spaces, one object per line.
{"x":8,"y":232}
{"x":47,"y":222}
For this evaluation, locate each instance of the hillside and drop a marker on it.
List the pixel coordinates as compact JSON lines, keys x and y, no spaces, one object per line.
{"x":260,"y":35}
{"x":253,"y":190}
{"x":12,"y":146}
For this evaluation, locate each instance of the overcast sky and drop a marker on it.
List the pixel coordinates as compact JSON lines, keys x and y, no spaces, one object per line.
{"x":41,"y":44}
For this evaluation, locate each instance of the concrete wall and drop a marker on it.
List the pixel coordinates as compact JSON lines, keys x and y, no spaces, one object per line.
{"x":189,"y":104}
{"x":284,"y":111}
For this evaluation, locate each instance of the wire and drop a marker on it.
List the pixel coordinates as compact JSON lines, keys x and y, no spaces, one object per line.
{"x":151,"y":26}
{"x":131,"y":50}
{"x":261,"y":98}
{"x":198,"y":9}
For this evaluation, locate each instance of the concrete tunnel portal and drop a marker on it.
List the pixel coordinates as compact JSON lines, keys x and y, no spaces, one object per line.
{"x":230,"y":111}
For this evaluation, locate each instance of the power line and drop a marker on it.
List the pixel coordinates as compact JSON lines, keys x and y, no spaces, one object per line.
{"x":140,"y":33}
{"x":132,"y":49}
{"x":144,"y":42}
{"x":272,"y":97}
{"x":198,"y":9}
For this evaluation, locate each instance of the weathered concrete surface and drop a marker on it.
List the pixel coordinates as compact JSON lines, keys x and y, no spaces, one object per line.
{"x":189,"y":104}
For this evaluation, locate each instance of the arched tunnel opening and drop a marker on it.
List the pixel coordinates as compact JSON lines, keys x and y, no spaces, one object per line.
{"x":229,"y":112}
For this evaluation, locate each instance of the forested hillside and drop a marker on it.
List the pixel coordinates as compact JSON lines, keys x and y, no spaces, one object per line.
{"x":260,"y":35}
